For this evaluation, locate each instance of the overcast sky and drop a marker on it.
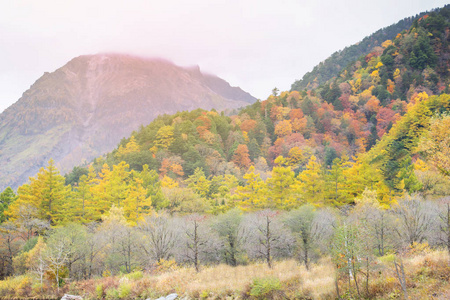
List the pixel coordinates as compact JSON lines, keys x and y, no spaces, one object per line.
{"x":254,"y":44}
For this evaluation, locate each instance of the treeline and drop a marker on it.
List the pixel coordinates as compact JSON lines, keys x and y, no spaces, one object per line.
{"x":352,"y":236}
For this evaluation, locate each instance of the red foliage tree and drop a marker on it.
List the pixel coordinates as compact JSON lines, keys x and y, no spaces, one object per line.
{"x":384,"y":117}
{"x":248,"y":125}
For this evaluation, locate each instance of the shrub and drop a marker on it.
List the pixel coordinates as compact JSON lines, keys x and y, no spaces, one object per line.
{"x":265,"y":288}
{"x":166,"y":265}
{"x":382,"y":285}
{"x":99,"y":291}
{"x":23,"y":288}
{"x":37,"y":288}
{"x":389,"y":258}
{"x":204,"y":294}
{"x":112,"y":294}
{"x":419,"y":248}
{"x":136,"y":275}
{"x":124,"y":290}
{"x":20,"y":285}
{"x":20,"y":263}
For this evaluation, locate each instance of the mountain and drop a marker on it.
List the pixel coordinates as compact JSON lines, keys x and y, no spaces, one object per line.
{"x":84,"y":108}
{"x":331,"y":67}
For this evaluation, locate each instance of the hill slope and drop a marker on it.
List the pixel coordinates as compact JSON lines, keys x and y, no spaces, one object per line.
{"x":331,"y":67}
{"x":84,"y":108}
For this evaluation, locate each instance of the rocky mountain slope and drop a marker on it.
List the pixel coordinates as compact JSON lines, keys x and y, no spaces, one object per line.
{"x":84,"y":108}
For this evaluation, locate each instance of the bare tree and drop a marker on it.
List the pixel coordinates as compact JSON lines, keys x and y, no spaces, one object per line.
{"x":400,"y":272}
{"x":377,"y":223}
{"x":444,"y":222}
{"x":158,"y":236}
{"x":56,"y":256}
{"x":94,"y":245}
{"x":74,"y":236}
{"x":416,"y":219}
{"x":197,"y":241}
{"x":267,"y":237}
{"x":347,"y":253}
{"x":36,"y":261}
{"x":39,"y":268}
{"x":121,"y":241}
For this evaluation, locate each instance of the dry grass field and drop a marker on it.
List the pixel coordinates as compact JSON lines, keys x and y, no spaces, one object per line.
{"x":427,"y":275}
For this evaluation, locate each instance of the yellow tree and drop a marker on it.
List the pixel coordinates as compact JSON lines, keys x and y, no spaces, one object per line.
{"x":199,"y":184}
{"x":46,"y":193}
{"x":137,"y":204}
{"x":25,"y":198}
{"x":312,"y":182}
{"x":81,"y":206}
{"x":435,"y":144}
{"x":164,"y":138}
{"x":169,"y":183}
{"x":53,"y":192}
{"x":283,"y":128}
{"x":227,"y":191}
{"x":336,"y":188}
{"x":362,"y":175}
{"x":131,"y":147}
{"x":99,"y":190}
{"x":280,"y":190}
{"x":251,"y":196}
{"x":112,"y":187}
{"x":295,"y":157}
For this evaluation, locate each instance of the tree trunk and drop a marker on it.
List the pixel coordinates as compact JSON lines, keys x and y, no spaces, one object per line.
{"x":367,"y":277}
{"x":337,"y":288}
{"x":448,"y":227}
{"x":305,"y":259}
{"x":197,"y":269}
{"x":355,"y":279}
{"x":268,"y":258}
{"x":401,"y":277}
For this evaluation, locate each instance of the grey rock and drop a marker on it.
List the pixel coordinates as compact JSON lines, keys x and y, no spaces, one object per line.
{"x":168,"y":297}
{"x":71,"y":297}
{"x":172,"y":296}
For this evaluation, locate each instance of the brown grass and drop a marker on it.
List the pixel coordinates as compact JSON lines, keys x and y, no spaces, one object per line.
{"x":223,"y":280}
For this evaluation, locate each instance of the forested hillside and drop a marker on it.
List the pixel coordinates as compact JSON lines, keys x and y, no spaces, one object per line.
{"x":333,"y":65}
{"x":352,"y":175}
